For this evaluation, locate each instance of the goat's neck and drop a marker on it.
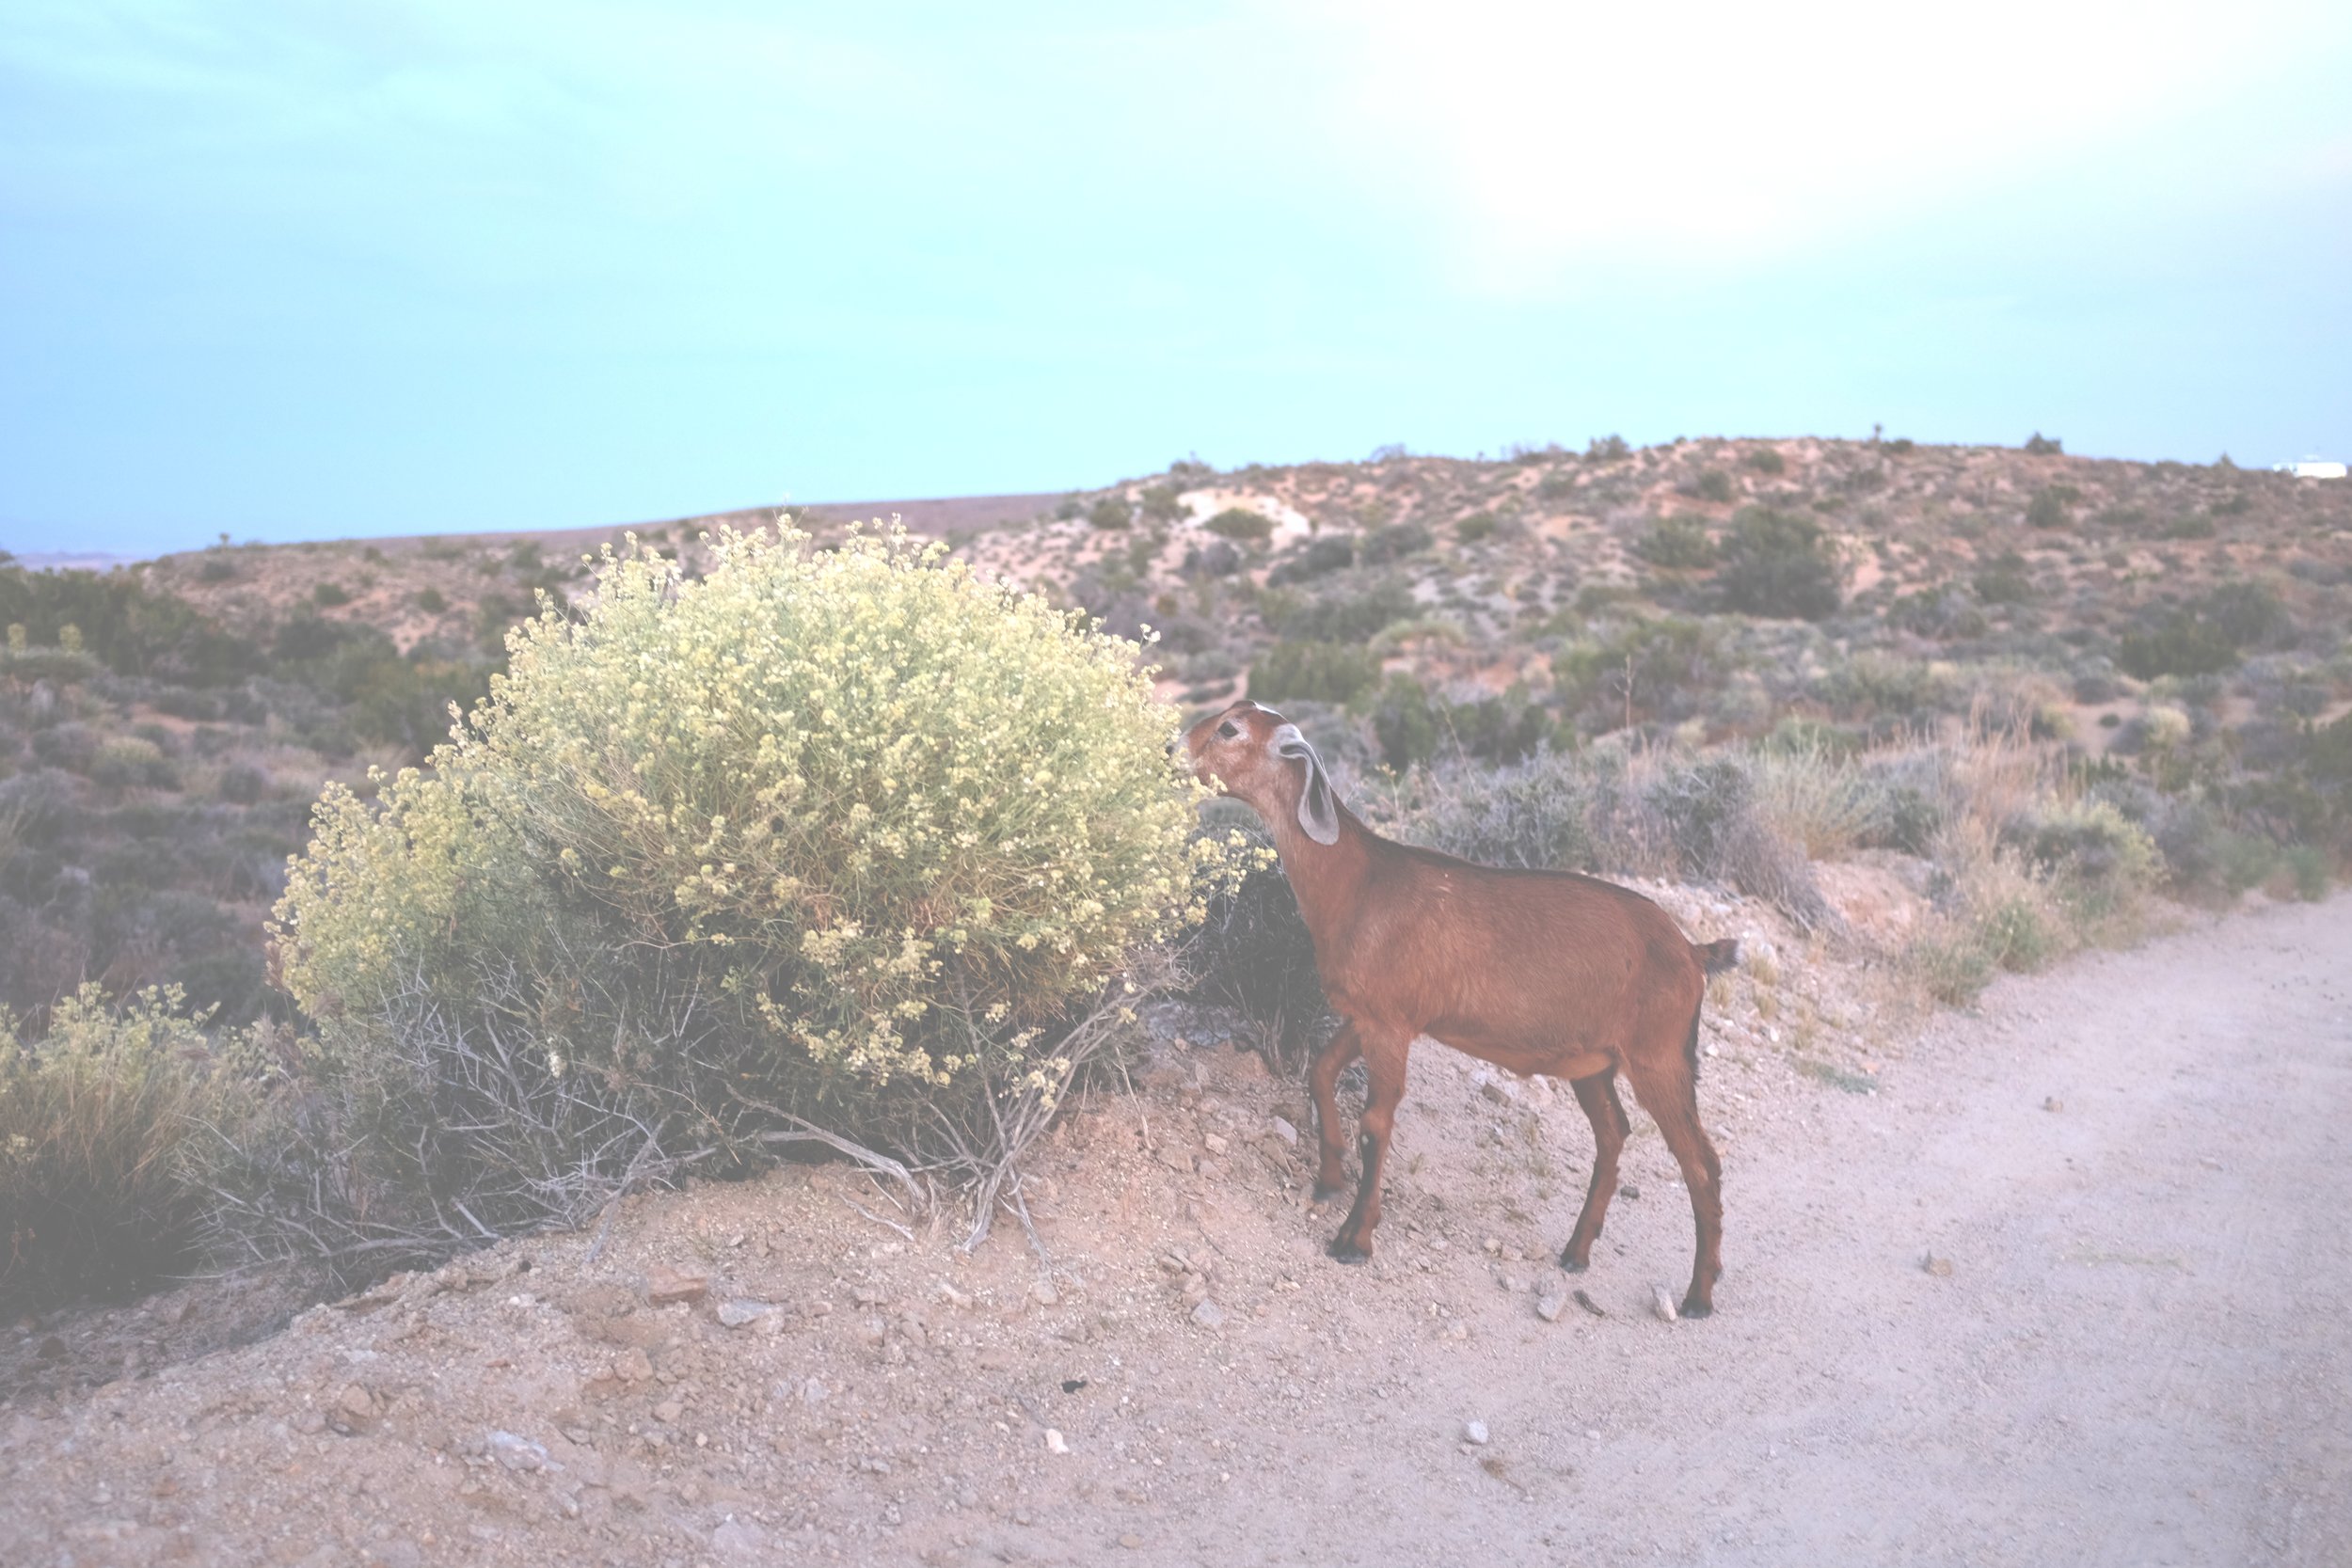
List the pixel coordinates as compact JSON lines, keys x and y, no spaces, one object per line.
{"x":1328,"y":878}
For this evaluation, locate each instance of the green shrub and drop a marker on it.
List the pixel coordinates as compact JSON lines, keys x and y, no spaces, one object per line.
{"x":2307,"y":872}
{"x":1394,"y":542}
{"x":2047,"y":509}
{"x":1331,"y":554}
{"x":1535,"y":813}
{"x":1312,"y":672}
{"x":2004,"y":579}
{"x":128,"y":760}
{"x":97,"y":1193}
{"x":1671,"y":663}
{"x":2039,"y":445}
{"x":1241,"y":524}
{"x":2096,"y":858}
{"x":1778,"y":563}
{"x":1341,"y":616}
{"x":1765,"y":460}
{"x":1253,"y":953}
{"x":2180,"y":644}
{"x":431,"y":600}
{"x":1679,"y":542}
{"x":1111,"y":511}
{"x":1477,"y":526}
{"x":329,"y":595}
{"x":1714,"y":485}
{"x":1607,"y":448}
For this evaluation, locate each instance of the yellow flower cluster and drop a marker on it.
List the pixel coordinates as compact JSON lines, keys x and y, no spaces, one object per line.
{"x":900,"y":808}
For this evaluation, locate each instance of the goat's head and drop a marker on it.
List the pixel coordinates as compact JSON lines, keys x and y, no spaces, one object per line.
{"x":1255,"y":754}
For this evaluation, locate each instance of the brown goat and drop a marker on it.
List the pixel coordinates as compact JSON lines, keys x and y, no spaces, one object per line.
{"x":1534,"y":971}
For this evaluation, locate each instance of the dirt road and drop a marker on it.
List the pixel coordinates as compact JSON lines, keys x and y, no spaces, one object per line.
{"x":2136,"y":1168}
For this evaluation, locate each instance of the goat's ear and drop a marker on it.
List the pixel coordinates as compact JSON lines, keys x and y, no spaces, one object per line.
{"x":1318,"y":809}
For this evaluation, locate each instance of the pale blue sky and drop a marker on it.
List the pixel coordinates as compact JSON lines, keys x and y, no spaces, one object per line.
{"x":293,"y":269}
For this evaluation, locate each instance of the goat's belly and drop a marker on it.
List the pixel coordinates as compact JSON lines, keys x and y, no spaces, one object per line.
{"x":1512,"y":1058}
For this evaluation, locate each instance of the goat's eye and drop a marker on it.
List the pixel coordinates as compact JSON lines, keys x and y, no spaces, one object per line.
{"x":1228,"y":730}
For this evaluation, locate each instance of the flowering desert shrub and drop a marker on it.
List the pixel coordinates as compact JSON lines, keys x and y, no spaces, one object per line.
{"x":98,"y":1192}
{"x":827,"y":844}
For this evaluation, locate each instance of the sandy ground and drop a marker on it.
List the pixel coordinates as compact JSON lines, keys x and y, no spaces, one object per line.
{"x":2129,"y":1347}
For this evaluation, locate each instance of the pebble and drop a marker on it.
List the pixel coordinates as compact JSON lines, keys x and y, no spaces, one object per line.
{"x":1216,"y":1143}
{"x":665,"y":1286}
{"x":633,"y":1365}
{"x":1940,"y":1267}
{"x":517,"y":1452}
{"x":1549,"y":1308}
{"x":1588,"y":1304}
{"x":1055,"y":1442}
{"x":1476,"y":1432}
{"x":1131,"y":1541}
{"x":1208,"y":1314}
{"x":1662,"y":1302}
{"x":734,"y":1314}
{"x":1043,"y":1293}
{"x":2053,"y":1104}
{"x":1285,"y":1132}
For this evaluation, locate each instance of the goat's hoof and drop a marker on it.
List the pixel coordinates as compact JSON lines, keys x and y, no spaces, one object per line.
{"x":1347,"y":1252}
{"x":1574,"y":1265}
{"x":1693,"y":1307}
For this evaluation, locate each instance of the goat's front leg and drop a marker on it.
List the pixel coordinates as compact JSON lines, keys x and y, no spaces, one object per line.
{"x":1385,"y":1056}
{"x":1323,"y":1081}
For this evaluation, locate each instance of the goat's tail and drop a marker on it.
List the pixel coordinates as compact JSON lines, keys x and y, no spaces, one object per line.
{"x":1716,"y":957}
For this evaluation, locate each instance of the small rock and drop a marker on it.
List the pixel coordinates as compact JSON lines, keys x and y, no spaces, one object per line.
{"x":1549,"y":1308}
{"x":1210,"y":1169}
{"x":952,"y":1296}
{"x":1630,"y":1190}
{"x":668,"y":1411}
{"x":633,"y":1365}
{"x":1043,"y":1293}
{"x":2053,"y":1104}
{"x":309,"y":1423}
{"x":1055,"y":1442}
{"x":1175,"y":1157}
{"x":517,"y":1452}
{"x":1589,"y":1304}
{"x":1215,"y":1142}
{"x":1208,"y":1314}
{"x":1285,"y":1132}
{"x":1662,"y":1302}
{"x":814,"y":1393}
{"x":356,"y":1400}
{"x":1476,"y":1432}
{"x":665,"y":1286}
{"x":734,"y":1314}
{"x":1493,"y":1244}
{"x":1940,"y":1267}
{"x":1131,"y":1541}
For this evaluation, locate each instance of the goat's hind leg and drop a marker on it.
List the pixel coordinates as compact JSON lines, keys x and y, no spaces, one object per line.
{"x":1670,"y":1094}
{"x":1323,"y":1080}
{"x":1597,"y":1094}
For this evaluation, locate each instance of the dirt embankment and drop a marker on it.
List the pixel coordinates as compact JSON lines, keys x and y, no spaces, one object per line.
{"x":2064,"y":1285}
